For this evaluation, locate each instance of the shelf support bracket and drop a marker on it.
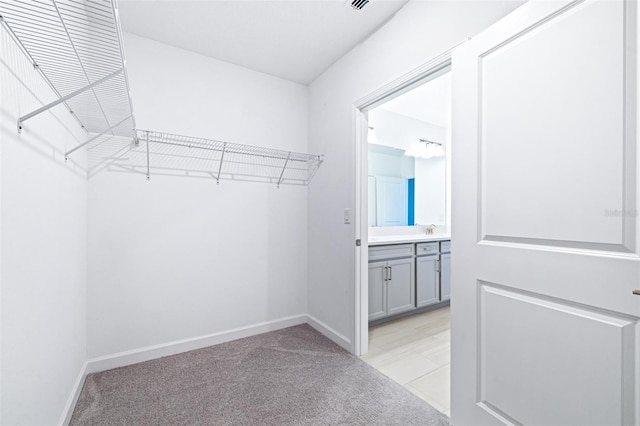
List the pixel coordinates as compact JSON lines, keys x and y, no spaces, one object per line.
{"x":283,"y":169}
{"x":147,"y":138}
{"x":224,"y":149}
{"x":66,"y":154}
{"x":65,"y":98}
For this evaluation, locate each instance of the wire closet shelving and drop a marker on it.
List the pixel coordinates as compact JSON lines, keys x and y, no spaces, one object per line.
{"x":76,"y":46}
{"x":173,"y":154}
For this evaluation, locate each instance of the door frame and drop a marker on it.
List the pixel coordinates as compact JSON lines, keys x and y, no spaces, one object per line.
{"x":433,"y":68}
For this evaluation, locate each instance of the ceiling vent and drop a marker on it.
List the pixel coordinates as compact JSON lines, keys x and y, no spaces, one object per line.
{"x":358,"y":4}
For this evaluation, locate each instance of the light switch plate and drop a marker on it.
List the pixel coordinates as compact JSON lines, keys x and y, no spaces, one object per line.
{"x":347,"y":216}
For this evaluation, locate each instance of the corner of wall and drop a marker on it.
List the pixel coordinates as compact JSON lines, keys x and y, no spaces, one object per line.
{"x":67,"y":412}
{"x":338,"y":338}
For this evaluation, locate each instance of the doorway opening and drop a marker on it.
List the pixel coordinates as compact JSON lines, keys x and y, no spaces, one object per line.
{"x":403,"y":152}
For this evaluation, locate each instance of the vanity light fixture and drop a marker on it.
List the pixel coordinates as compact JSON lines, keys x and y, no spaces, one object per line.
{"x":425,"y":149}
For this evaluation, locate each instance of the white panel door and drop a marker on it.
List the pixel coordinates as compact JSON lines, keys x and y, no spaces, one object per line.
{"x":391,"y":200}
{"x":545,"y":325}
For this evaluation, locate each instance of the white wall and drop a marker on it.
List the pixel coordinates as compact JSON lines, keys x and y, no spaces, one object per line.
{"x":418,"y":32}
{"x":43,"y":248}
{"x":178,"y":258}
{"x":400,"y":131}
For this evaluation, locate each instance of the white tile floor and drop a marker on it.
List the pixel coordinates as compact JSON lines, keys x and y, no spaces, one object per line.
{"x":415,"y":352}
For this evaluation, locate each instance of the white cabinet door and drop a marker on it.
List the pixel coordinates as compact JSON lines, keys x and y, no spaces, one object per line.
{"x":427,"y":280}
{"x":445,"y":277}
{"x":391,"y":201}
{"x":544,"y":324}
{"x":400,"y":286}
{"x":377,"y":290}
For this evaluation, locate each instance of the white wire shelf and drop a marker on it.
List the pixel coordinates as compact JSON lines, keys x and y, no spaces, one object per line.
{"x":76,"y":46}
{"x":170,"y":154}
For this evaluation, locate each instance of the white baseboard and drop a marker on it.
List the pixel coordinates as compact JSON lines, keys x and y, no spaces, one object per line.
{"x":148,"y":353}
{"x":122,"y":359}
{"x":329,"y":332}
{"x":73,"y":397}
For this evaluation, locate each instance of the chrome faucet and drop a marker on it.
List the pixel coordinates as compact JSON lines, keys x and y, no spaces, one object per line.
{"x":430,"y":229}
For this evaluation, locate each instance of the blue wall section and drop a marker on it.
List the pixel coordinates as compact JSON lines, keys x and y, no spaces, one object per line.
{"x":411,"y":185}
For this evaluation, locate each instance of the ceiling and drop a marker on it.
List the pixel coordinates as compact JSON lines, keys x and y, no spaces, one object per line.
{"x":293,"y":39}
{"x":430,"y":102}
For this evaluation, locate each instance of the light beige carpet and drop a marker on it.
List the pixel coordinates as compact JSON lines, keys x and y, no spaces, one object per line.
{"x":293,"y":376}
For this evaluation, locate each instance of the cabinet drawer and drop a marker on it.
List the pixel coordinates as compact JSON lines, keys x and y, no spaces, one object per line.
{"x":390,"y":252}
{"x":445,"y":246}
{"x":427,"y":248}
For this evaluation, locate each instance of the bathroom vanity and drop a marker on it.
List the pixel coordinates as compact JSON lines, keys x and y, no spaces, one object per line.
{"x":408,"y":273}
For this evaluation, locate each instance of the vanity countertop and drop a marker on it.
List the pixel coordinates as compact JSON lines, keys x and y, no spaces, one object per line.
{"x":412,"y":238}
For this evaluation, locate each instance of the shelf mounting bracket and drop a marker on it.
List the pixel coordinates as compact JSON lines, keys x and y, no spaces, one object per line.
{"x":148,"y":173}
{"x":224,"y":149}
{"x":283,"y":169}
{"x":65,"y":98}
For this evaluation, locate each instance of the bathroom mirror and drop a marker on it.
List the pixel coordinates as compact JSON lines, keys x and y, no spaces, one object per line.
{"x":405,"y":190}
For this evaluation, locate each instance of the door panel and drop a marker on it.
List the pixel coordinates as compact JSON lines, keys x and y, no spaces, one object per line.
{"x":445,"y":276}
{"x":400,"y":286}
{"x":556,"y":63}
{"x":527,"y":354}
{"x":377,"y":290}
{"x":545,"y":328}
{"x":427,"y":280}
